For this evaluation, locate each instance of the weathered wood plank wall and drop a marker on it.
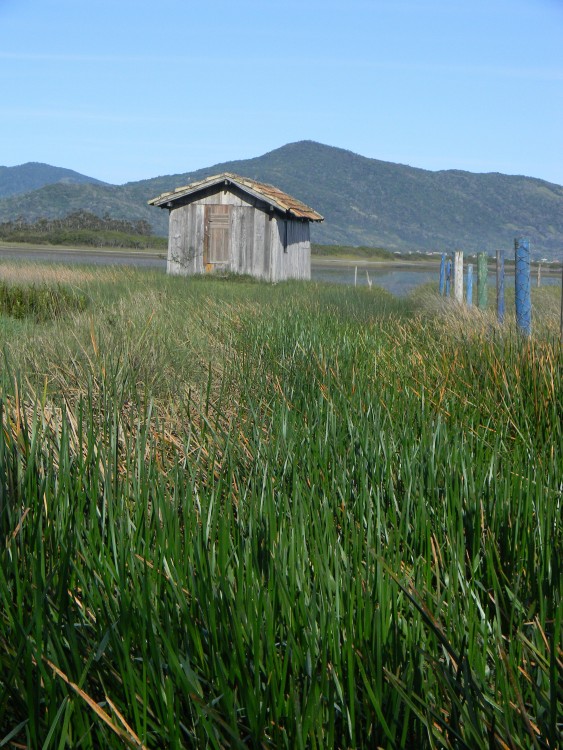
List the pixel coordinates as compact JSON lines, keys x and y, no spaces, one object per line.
{"x":262,"y":243}
{"x":298,"y":255}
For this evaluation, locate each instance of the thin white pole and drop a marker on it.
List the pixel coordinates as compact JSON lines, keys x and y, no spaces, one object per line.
{"x":458,"y":276}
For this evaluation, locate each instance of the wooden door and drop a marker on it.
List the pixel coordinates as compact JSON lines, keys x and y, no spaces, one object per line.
{"x":217,"y":236}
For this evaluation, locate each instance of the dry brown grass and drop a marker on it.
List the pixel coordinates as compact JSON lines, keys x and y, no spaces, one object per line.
{"x":42,"y":273}
{"x":463,"y":322}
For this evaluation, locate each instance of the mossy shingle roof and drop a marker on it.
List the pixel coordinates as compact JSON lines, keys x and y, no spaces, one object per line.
{"x":268,"y":193}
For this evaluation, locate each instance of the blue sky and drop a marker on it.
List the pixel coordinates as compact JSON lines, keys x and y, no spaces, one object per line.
{"x":124,"y":90}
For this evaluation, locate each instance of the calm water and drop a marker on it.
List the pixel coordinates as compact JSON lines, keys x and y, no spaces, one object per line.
{"x":399,"y":281}
{"x":402,"y":280}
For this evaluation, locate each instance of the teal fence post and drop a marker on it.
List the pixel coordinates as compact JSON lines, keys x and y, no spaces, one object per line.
{"x":500,"y":285}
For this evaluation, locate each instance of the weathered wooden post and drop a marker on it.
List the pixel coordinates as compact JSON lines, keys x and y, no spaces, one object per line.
{"x":522,"y":281}
{"x":469,"y":293}
{"x":458,"y":275}
{"x":500,"y":285}
{"x":356,"y":276}
{"x":482,"y":280}
{"x":448,"y":277}
{"x":539,"y":275}
{"x":442,"y":273}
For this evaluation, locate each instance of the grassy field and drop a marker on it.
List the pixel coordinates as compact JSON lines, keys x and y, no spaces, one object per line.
{"x":295,"y":516}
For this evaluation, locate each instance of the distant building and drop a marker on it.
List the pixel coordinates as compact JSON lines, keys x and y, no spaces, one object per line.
{"x":231,"y":223}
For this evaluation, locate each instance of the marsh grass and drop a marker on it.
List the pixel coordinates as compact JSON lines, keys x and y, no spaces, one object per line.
{"x":44,"y":273}
{"x":40,"y":303}
{"x":238,"y":515}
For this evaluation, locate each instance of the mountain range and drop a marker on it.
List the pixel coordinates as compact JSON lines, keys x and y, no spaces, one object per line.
{"x":364,"y":201}
{"x":34,"y":175}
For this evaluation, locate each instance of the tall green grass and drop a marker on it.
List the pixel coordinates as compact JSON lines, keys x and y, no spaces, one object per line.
{"x":237,"y":515}
{"x":39,"y":302}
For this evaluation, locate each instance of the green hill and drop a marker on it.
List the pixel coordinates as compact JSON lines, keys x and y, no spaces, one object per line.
{"x":364,"y":201}
{"x":34,"y":175}
{"x":60,"y":200}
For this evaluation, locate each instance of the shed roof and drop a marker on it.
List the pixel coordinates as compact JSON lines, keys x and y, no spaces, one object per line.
{"x":268,"y":193}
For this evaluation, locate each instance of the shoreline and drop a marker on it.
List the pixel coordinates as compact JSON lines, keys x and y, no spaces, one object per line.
{"x":25,"y":247}
{"x":320,"y":261}
{"x":327,"y":261}
{"x":317,"y":261}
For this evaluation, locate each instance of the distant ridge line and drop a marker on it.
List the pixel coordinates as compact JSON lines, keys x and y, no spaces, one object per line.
{"x":365,"y":201}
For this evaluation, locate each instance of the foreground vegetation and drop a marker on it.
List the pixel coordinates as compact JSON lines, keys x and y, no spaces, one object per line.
{"x":238,"y":515}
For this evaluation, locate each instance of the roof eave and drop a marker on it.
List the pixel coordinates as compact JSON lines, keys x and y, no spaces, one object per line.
{"x":167,"y":200}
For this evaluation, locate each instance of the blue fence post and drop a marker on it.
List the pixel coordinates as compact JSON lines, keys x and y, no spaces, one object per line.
{"x":442,"y":274}
{"x":469,"y":292}
{"x":482,"y":280}
{"x":523,"y":291}
{"x":500,"y":285}
{"x":448,"y":277}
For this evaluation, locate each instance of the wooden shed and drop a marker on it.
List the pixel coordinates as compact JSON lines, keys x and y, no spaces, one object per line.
{"x":231,"y":223}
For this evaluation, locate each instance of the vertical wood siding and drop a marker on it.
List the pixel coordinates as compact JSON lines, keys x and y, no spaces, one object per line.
{"x":185,"y":239}
{"x":242,"y":239}
{"x":296,"y":255}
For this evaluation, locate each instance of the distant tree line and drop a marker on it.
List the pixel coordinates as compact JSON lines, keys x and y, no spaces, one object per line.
{"x":78,"y":220}
{"x":83,"y":228}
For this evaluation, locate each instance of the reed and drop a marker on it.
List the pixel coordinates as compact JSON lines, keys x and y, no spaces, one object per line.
{"x":237,"y":515}
{"x":40,"y":303}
